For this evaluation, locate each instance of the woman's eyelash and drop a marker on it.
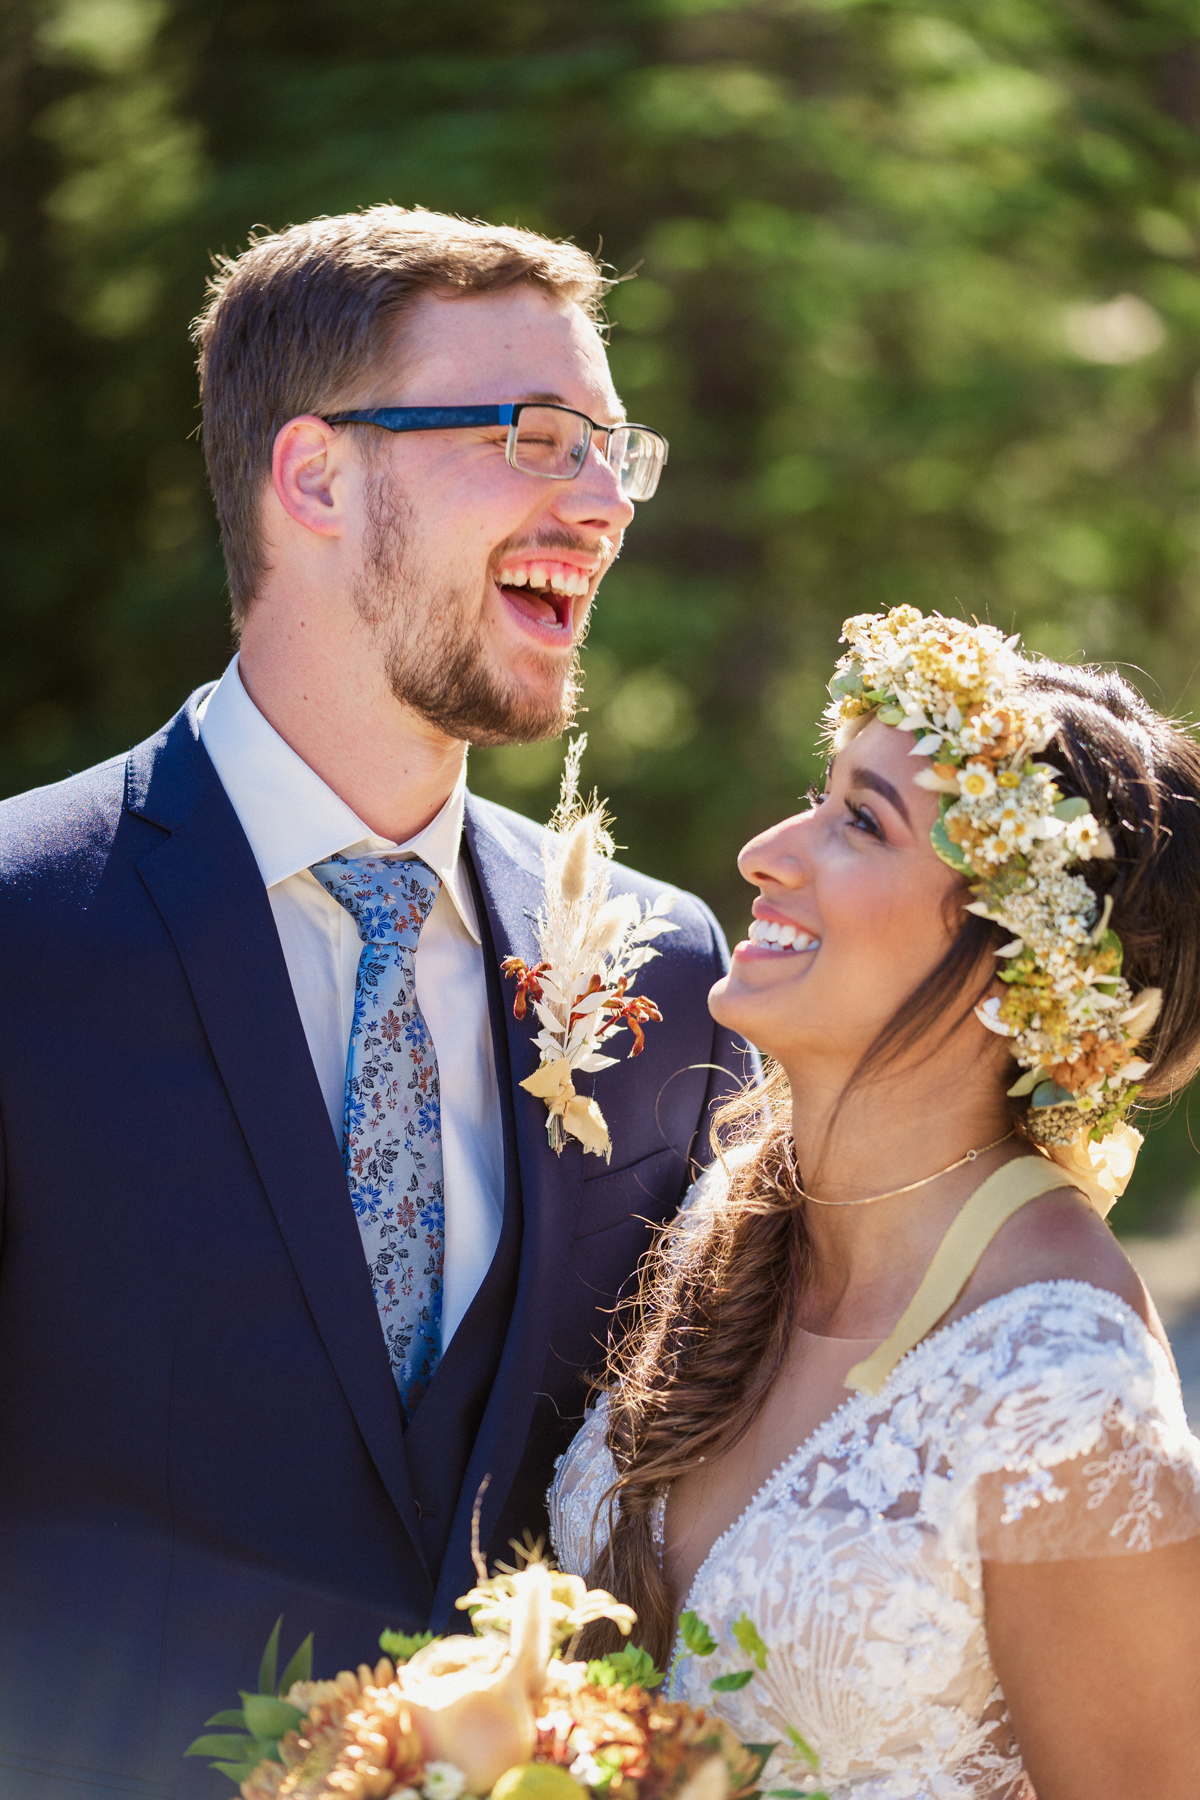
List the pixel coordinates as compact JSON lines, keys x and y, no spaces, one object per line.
{"x":858,"y":814}
{"x":863,"y":819}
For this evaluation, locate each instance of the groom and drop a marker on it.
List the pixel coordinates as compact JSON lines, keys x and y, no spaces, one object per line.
{"x":270,"y":1313}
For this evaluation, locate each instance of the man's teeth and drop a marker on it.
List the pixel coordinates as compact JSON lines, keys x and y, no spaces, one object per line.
{"x":559,"y":577}
{"x":773,"y":936}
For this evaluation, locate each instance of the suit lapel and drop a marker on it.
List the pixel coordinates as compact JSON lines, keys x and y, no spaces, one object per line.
{"x":510,"y":881}
{"x":206,"y":885}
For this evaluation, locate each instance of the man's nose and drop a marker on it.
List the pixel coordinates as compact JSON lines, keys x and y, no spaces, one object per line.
{"x":594,"y":497}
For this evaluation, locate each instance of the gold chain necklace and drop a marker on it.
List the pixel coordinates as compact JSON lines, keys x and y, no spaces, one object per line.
{"x":893,"y":1193}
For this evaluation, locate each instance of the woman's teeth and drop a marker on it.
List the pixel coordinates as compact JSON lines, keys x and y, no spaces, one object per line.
{"x":773,"y":936}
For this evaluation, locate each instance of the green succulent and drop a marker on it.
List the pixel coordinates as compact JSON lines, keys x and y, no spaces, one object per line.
{"x":262,"y":1719}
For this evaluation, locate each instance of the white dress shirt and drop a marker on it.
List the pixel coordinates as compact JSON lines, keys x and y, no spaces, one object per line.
{"x":293,"y":820}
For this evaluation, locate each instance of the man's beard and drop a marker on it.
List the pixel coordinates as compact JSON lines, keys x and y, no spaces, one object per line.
{"x":433,"y":648}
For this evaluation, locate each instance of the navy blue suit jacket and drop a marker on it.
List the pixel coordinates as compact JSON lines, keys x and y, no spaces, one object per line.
{"x":198,"y":1425}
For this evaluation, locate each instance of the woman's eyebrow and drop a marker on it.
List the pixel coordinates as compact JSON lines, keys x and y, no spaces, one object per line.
{"x":867,"y":778}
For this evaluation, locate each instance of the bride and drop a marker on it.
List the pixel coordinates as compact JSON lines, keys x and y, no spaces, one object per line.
{"x":895,"y":1450}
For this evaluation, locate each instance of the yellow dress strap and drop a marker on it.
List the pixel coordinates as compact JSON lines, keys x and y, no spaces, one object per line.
{"x":955,"y":1259}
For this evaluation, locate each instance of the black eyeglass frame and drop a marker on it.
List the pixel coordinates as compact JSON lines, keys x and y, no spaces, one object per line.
{"x":461,"y":418}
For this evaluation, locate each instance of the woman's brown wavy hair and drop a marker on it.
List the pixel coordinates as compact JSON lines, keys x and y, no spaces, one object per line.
{"x":718,"y":1300}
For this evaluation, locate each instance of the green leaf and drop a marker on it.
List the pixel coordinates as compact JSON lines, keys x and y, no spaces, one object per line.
{"x":1110,"y":941}
{"x":300,"y":1667}
{"x":946,"y":848}
{"x":891,"y":715}
{"x":235,"y":1771}
{"x":761,"y":1754}
{"x":787,"y":1794}
{"x":1071,"y":809}
{"x":268,"y":1717}
{"x":803,"y":1748}
{"x":1025,"y":1084}
{"x":630,"y":1667}
{"x":850,"y":681}
{"x":698,"y":1640}
{"x":746,"y":1633}
{"x":400,"y":1647}
{"x":1048,"y":1093}
{"x":729,"y":1684}
{"x":270,"y":1661}
{"x":216,"y":1744}
{"x":231,"y":1716}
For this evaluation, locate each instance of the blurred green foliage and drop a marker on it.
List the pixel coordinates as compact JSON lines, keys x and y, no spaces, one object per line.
{"x":917,"y":303}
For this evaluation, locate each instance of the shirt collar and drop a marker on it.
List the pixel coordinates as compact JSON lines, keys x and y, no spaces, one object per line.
{"x":294,"y":819}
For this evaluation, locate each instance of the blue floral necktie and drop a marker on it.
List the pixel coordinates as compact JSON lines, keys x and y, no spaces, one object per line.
{"x":392,"y":1130}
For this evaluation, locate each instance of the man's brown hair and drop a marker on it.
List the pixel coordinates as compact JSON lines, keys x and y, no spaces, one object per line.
{"x":301,"y":321}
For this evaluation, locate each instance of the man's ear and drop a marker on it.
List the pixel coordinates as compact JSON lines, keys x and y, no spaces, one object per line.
{"x":306,"y":474}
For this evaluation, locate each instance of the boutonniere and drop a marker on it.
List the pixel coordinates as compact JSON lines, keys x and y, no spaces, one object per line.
{"x":590,"y":945}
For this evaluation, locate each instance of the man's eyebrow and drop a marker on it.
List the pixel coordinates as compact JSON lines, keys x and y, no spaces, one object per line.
{"x":557,"y":400}
{"x":867,"y":778}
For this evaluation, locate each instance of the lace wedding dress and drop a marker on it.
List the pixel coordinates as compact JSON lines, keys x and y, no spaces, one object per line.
{"x":1047,"y":1423}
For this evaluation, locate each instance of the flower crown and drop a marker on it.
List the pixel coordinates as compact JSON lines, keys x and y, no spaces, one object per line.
{"x":1071,"y":1019}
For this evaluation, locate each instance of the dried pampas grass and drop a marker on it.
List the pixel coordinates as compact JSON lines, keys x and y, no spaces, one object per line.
{"x":591,"y":943}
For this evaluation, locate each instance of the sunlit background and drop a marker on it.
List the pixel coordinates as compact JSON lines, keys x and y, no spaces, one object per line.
{"x":917,"y":302}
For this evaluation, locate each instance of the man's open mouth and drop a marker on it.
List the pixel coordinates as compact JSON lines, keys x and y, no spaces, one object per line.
{"x":544,"y":590}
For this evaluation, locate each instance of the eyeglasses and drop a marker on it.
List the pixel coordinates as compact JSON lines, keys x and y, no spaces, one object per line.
{"x":543,"y":439}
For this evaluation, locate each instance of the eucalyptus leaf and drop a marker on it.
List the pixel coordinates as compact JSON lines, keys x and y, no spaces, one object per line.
{"x":945,"y":846}
{"x":1110,"y":941}
{"x":1048,"y":1093}
{"x":891,"y":715}
{"x":1025,"y":1084}
{"x":698,"y":1640}
{"x":1074,"y":808}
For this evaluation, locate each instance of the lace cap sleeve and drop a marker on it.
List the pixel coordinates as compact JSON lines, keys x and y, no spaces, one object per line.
{"x":581,"y":1479}
{"x":1081,"y":1447}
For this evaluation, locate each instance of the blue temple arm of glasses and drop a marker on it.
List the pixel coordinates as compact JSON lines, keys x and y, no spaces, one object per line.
{"x":425,"y":418}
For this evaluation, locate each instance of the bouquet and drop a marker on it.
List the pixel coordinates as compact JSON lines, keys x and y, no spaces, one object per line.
{"x":507,"y":1713}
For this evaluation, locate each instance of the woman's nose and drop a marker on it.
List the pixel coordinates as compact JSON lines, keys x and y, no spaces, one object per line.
{"x":775,"y":855}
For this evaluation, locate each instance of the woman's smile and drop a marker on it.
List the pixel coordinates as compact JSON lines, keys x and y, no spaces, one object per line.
{"x":773,"y":934}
